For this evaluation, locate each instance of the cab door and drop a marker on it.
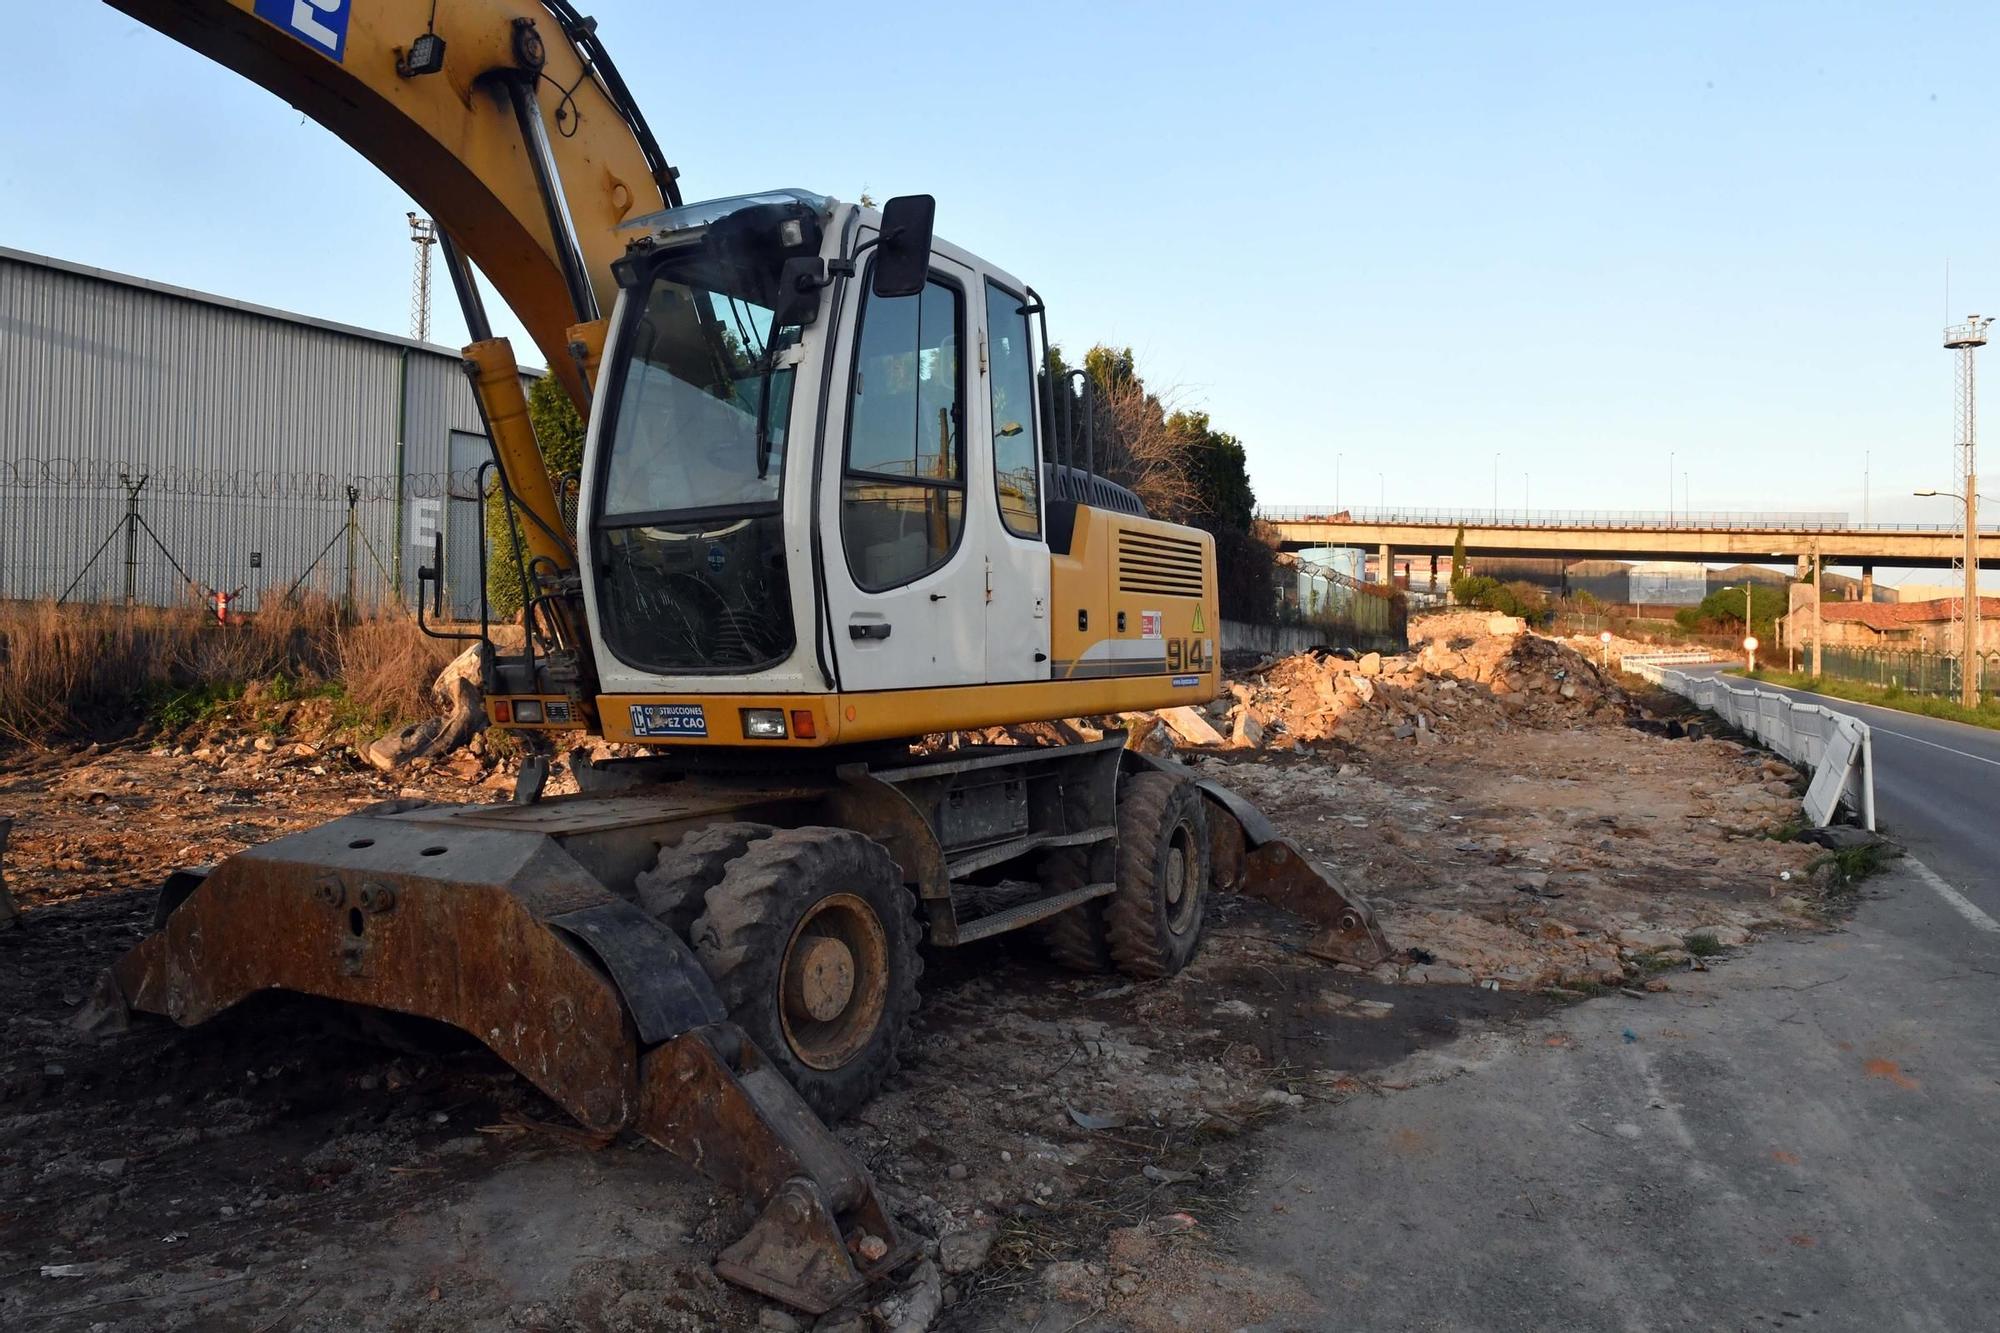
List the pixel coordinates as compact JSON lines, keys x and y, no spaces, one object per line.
{"x":1017,"y":597}
{"x":905,"y":569}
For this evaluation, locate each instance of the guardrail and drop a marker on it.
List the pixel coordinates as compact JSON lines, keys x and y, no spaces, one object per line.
{"x":1690,"y":657}
{"x":1835,"y":748}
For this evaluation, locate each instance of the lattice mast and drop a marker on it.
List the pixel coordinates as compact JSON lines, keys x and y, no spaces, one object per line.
{"x":423,"y":235}
{"x":1966,"y":339}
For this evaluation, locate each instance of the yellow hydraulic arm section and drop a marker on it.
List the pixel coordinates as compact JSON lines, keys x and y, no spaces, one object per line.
{"x":506,"y":121}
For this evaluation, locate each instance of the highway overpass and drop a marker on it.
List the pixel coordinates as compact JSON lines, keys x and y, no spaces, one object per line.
{"x":1715,"y":538}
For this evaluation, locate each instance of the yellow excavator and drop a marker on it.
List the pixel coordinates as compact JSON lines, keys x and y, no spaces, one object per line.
{"x":833,"y":500}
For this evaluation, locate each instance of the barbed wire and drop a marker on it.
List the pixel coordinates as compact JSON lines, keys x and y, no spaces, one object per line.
{"x":107,"y":474}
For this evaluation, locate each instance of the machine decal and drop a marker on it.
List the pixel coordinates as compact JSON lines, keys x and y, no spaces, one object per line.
{"x":320,"y":24}
{"x":717,"y":558}
{"x":669,"y":720}
{"x":1152,"y":624}
{"x":1182,"y":682}
{"x":1200,"y":626}
{"x":1188,"y":655}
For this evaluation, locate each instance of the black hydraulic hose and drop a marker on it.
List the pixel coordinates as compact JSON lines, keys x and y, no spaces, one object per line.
{"x":582,"y":33}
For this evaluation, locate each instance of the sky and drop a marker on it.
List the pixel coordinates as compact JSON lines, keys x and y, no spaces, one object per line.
{"x":1399,"y":250}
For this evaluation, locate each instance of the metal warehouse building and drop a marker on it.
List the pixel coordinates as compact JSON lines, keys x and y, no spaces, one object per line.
{"x":241,"y":437}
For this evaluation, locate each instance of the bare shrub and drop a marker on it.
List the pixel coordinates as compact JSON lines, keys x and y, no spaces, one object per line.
{"x":387,"y":667}
{"x":1139,"y":450}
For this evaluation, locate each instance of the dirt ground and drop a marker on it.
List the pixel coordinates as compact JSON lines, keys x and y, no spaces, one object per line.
{"x":1065,"y":1143}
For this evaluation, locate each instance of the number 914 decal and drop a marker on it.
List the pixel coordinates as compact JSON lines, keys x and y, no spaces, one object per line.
{"x":1189,"y":654}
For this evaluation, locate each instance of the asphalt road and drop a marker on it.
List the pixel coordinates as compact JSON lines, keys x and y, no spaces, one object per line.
{"x":1937,"y":791}
{"x":1806,"y":1137}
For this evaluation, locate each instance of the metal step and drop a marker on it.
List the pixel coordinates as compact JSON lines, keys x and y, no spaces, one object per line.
{"x":1013,"y":847}
{"x":1027,"y":913}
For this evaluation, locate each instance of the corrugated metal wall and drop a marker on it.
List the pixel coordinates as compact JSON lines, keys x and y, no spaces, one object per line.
{"x":249,"y":425}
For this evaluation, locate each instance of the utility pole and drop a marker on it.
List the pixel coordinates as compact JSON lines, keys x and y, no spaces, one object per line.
{"x":1966,"y":339}
{"x":1816,"y":608}
{"x":1496,"y":484}
{"x":1670,"y":488}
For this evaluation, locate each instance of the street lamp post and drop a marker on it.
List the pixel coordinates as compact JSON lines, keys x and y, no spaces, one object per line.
{"x":1968,"y":610}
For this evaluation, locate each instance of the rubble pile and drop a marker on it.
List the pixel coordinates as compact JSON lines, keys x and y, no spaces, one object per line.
{"x":1470,"y":674}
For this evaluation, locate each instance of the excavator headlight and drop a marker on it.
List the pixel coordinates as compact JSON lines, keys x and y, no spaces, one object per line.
{"x":763,"y":724}
{"x":425,"y":56}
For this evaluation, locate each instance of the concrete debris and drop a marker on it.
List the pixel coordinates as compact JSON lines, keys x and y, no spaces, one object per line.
{"x":965,"y":1251}
{"x":1190,"y":727}
{"x":458,"y":691}
{"x":916,"y":1305}
{"x":1460,"y":684}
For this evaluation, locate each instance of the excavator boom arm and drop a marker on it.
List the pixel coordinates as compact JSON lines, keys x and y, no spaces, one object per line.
{"x":465,"y":140}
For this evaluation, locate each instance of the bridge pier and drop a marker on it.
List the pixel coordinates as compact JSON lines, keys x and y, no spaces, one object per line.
{"x":1868,"y":583}
{"x":1383,"y":558}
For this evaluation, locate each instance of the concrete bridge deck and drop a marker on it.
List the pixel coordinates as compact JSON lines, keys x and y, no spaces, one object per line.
{"x":1583,"y":535}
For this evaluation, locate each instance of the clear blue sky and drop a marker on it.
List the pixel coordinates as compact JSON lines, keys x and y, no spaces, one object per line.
{"x":1413,"y":236}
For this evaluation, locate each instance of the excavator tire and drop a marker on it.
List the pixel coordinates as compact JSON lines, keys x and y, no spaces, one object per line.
{"x":1153,"y":921}
{"x":1075,"y":939}
{"x":673,"y":891}
{"x":811,"y":940}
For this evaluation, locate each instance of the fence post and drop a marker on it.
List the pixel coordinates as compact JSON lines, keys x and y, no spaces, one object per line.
{"x":132,"y":490}
{"x":347,"y":598}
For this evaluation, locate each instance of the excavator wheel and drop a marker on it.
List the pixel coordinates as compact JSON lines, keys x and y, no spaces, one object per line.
{"x":1075,"y":939}
{"x":1154,"y":919}
{"x":673,"y":891}
{"x":811,"y":940}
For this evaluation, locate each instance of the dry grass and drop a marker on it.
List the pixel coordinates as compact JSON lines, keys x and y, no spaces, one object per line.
{"x":77,"y":671}
{"x":387,"y":666}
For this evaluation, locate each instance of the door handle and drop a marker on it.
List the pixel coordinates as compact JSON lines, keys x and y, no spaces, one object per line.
{"x":878,"y":630}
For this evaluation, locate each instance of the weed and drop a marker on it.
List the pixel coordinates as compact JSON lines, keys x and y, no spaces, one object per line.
{"x":1702,"y":944}
{"x":1851,"y":865}
{"x":1786,"y":832}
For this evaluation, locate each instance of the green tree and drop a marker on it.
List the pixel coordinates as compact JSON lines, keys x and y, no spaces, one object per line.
{"x":1460,"y":567}
{"x":559,"y":435}
{"x":1224,"y":505}
{"x":1721,"y":612}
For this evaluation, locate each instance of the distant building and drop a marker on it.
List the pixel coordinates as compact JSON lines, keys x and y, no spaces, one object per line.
{"x":1921,"y":626}
{"x":1667,"y":583}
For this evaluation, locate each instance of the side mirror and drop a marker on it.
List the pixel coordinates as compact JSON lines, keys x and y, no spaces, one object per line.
{"x":799,"y":286}
{"x":903,"y":259}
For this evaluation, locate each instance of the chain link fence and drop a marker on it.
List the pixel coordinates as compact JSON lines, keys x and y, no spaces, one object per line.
{"x":1913,"y":671}
{"x":1316,"y":596}
{"x":145,"y":534}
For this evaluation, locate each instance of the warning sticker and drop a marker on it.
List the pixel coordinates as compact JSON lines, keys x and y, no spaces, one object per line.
{"x":1200,"y":624}
{"x":1152,"y":625}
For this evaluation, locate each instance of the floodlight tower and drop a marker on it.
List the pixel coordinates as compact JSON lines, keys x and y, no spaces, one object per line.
{"x":423,"y":235}
{"x":1966,"y":339}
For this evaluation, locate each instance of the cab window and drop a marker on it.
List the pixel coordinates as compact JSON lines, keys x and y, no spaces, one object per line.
{"x":1011,"y":381}
{"x":903,"y":490}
